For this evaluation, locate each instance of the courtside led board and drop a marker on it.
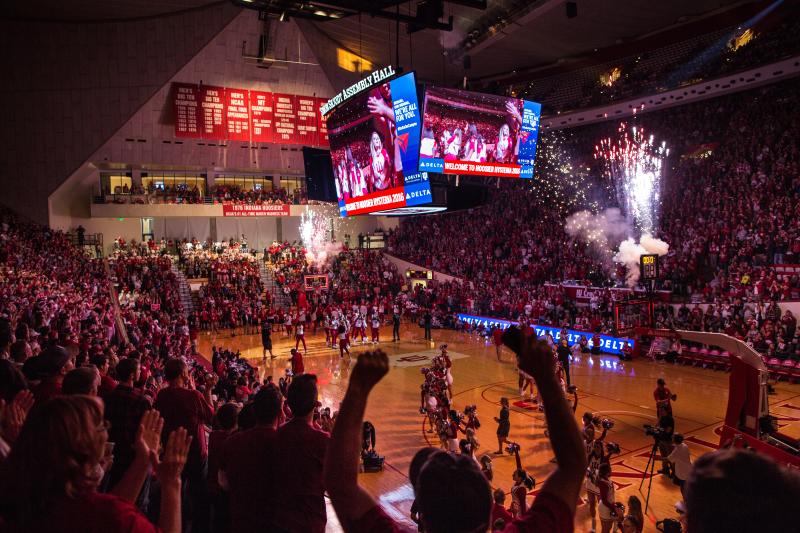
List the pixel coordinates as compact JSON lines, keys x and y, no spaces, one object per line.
{"x":374,"y":140}
{"x":465,"y":132}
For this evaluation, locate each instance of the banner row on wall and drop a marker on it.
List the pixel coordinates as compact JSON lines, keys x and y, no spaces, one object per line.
{"x":225,"y":113}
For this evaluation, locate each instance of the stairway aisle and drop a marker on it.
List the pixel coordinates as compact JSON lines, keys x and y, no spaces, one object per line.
{"x":271,"y":286}
{"x":185,"y":291}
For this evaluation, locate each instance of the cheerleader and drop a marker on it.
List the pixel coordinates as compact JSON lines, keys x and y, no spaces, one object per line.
{"x":447,"y":365}
{"x":357,"y":181}
{"x":519,"y":492}
{"x":375,"y":329}
{"x":359,"y":328}
{"x":472,"y":148}
{"x":596,"y":459}
{"x":453,"y":146}
{"x":299,"y":336}
{"x":380,"y":166}
{"x":609,"y":508}
{"x":452,"y":428}
{"x":288,"y":324}
{"x":526,"y":383}
{"x":504,"y":145}
{"x":427,"y":143}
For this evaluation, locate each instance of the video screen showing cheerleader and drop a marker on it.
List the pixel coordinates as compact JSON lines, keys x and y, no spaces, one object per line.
{"x":366,"y":159}
{"x":465,"y":132}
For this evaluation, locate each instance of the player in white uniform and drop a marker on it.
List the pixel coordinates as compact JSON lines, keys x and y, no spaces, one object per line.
{"x":376,"y":328}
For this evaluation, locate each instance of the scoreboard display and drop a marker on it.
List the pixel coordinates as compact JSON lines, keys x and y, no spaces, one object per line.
{"x":648,"y":266}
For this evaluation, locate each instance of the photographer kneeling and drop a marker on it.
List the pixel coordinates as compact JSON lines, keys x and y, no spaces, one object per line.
{"x":452,"y":494}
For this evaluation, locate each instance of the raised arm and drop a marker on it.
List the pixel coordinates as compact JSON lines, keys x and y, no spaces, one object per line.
{"x":535,"y":358}
{"x":349,"y":500}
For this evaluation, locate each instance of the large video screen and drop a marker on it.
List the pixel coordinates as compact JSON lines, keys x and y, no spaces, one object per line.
{"x":465,"y":132}
{"x":374,"y":140}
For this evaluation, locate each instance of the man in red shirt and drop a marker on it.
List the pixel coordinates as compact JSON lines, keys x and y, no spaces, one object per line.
{"x":299,"y":460}
{"x":663,"y":397}
{"x":452,"y":494}
{"x":247,"y":469}
{"x":183,"y":406}
{"x":297,"y":362}
{"x":499,"y":510}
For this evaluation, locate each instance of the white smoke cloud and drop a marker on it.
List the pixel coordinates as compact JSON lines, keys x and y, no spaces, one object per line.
{"x":608,"y":231}
{"x":630,"y":251}
{"x":602,"y":231}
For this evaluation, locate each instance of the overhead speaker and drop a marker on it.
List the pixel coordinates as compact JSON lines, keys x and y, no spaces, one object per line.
{"x":572,"y":10}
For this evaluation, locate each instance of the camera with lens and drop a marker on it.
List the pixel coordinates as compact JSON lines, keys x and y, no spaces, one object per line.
{"x":512,"y":447}
{"x":656,"y":432}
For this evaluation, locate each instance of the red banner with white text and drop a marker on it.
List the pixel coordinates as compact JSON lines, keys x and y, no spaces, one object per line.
{"x":228,"y":113}
{"x":237,"y":114}
{"x":212,"y":112}
{"x":267,"y":210}
{"x":186,"y":109}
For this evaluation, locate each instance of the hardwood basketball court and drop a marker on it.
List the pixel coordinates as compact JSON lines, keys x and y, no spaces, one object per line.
{"x":620,"y":391}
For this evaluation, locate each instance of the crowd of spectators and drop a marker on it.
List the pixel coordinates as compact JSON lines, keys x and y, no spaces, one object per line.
{"x":743,"y":181}
{"x":220,"y":194}
{"x":355,"y":277}
{"x":230,"y":194}
{"x":234,"y":294}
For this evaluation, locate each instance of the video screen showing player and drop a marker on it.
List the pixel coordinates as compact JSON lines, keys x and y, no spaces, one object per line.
{"x":496,"y":133}
{"x":365,"y":154}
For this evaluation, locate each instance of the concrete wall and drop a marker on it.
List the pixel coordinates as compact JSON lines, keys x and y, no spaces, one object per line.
{"x":146,"y":141}
{"x":67,"y":87}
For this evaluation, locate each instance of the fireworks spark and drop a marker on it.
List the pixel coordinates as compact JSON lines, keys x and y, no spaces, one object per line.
{"x":633,"y":164}
{"x":315,"y":232}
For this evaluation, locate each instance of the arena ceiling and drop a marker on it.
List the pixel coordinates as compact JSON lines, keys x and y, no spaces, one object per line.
{"x":537,"y":33}
{"x":508,"y":35}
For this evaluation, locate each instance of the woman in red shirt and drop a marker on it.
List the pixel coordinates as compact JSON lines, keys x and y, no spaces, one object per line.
{"x":50,"y":478}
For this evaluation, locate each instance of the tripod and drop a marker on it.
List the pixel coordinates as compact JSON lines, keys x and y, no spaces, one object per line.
{"x":650,"y":467}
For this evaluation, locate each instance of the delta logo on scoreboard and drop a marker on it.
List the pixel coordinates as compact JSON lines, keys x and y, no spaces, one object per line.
{"x":608,"y":343}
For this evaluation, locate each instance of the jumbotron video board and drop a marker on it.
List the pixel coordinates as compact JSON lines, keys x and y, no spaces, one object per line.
{"x":465,"y":132}
{"x":373,"y":127}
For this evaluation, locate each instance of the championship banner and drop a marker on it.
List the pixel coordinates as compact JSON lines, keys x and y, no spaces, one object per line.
{"x":285,"y":119}
{"x":212,"y":112}
{"x":267,"y":210}
{"x":229,"y":113}
{"x":237,"y":114}
{"x":608,"y":343}
{"x":262,"y":116}
{"x":307,"y":120}
{"x":186,"y":110}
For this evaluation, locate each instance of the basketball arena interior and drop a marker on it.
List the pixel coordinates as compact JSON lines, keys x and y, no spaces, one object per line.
{"x":448,"y":266}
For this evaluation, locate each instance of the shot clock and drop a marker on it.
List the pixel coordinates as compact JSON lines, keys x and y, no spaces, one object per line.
{"x":648,"y":266}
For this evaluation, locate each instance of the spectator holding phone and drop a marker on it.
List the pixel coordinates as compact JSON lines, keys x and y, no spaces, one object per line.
{"x":452,"y":493}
